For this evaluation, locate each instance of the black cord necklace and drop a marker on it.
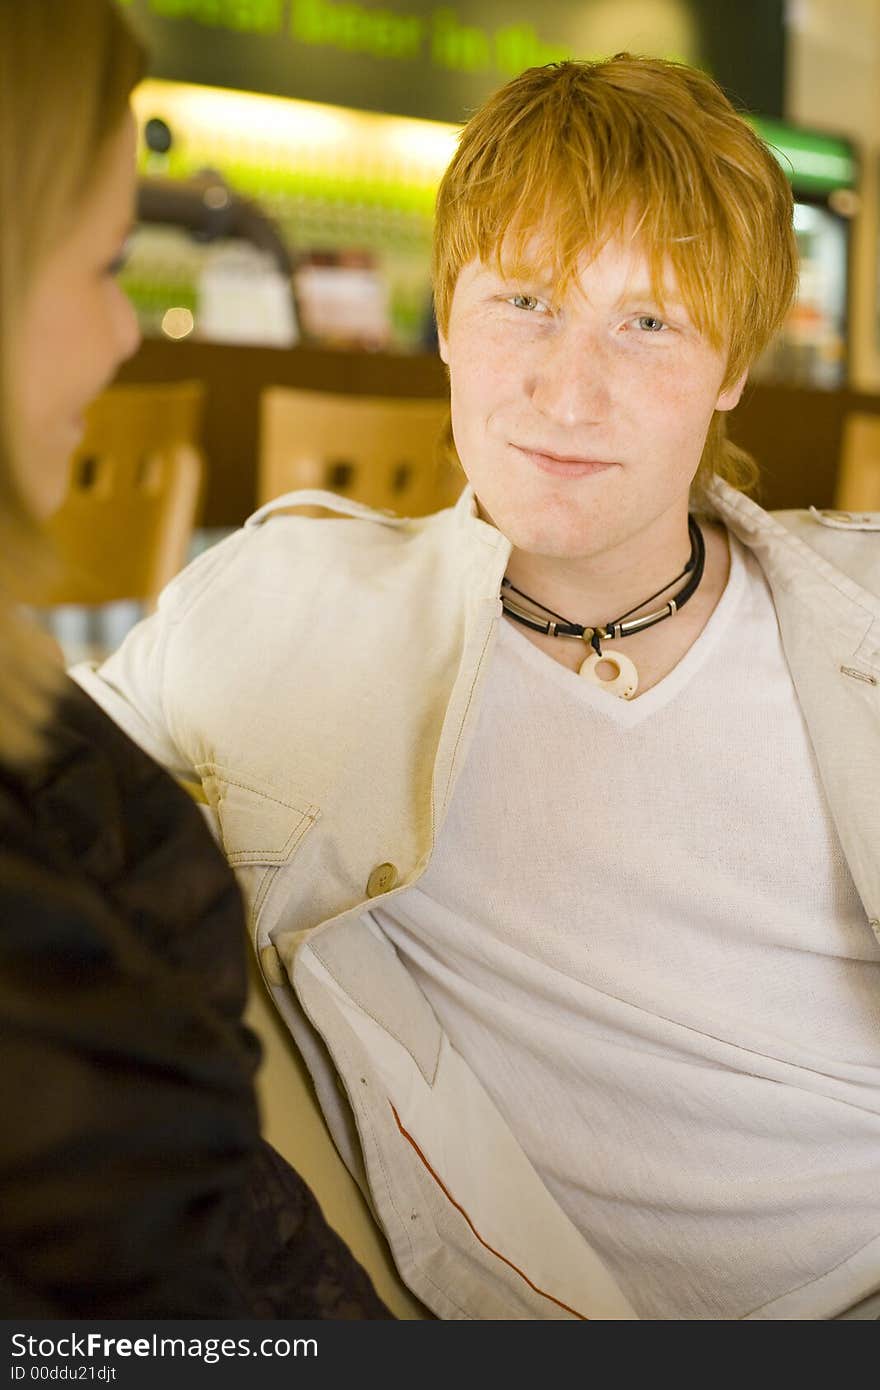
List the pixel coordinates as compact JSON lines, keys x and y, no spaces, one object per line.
{"x":625,"y":682}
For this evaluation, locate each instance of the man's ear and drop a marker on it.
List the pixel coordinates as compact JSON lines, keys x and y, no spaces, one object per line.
{"x":730,"y":397}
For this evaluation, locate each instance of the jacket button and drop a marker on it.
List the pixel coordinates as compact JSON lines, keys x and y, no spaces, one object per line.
{"x":874,"y":924}
{"x":272,"y":968}
{"x":382,"y":880}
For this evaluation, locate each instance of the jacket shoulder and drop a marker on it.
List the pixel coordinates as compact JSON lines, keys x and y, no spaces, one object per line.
{"x":299,"y":533}
{"x":316,"y":503}
{"x":821,"y":524}
{"x":319,"y":529}
{"x":849,"y":541}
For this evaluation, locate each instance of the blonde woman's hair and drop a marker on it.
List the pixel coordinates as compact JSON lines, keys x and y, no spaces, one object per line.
{"x":67,"y":68}
{"x":567,"y":156}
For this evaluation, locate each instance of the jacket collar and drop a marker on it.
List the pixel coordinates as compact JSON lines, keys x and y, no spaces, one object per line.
{"x":794,"y":550}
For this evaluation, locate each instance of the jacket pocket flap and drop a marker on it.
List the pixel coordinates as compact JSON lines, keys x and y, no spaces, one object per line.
{"x":257,"y":824}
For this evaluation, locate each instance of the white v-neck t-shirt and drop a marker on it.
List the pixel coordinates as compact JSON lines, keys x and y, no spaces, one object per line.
{"x":639,"y":929}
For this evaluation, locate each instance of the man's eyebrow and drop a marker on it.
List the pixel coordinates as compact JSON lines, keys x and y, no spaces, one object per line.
{"x":541,"y":279}
{"x":646,"y":294}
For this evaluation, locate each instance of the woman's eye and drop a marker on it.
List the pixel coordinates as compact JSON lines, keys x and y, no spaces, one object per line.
{"x":649,"y":323}
{"x":119,"y":262}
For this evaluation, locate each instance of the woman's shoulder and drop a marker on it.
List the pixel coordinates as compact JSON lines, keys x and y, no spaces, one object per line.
{"x":100,"y":827}
{"x":121,"y":988}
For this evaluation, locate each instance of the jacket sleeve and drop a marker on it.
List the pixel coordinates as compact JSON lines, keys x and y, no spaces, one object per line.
{"x":130,"y":685}
{"x":129,"y":1124}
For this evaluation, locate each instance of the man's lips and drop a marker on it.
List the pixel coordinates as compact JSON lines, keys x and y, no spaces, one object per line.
{"x":563,"y":465}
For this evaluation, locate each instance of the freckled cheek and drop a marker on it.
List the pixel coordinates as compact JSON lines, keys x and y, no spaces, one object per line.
{"x":469,"y":407}
{"x":484,"y":385}
{"x":675,"y":404}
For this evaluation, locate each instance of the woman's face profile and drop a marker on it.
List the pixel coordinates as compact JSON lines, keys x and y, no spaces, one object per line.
{"x":77,"y":326}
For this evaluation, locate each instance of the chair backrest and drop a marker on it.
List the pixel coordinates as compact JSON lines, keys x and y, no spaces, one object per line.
{"x":858,"y":475}
{"x":135,"y":487}
{"x":383,"y":451}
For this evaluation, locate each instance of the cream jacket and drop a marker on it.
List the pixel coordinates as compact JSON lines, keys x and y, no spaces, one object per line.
{"x":320,"y":679}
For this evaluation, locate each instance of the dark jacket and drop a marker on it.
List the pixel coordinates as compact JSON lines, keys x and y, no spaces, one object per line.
{"x":133,"y":1182}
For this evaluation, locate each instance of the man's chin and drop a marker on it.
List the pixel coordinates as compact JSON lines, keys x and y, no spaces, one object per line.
{"x":547,"y":544}
{"x":552,"y":538}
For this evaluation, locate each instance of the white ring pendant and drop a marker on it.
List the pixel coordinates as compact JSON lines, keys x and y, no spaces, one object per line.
{"x":624,"y":683}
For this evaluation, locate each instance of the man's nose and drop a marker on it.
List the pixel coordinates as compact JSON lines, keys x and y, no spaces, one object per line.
{"x":571,"y":382}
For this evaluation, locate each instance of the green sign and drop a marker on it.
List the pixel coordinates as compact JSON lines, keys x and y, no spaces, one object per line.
{"x":439,"y":61}
{"x":815,"y":163}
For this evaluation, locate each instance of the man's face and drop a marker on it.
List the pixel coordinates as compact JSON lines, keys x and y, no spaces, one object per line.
{"x":581,"y":423}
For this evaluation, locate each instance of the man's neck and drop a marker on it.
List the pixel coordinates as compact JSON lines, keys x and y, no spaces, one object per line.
{"x":657,"y":649}
{"x":599,"y":588}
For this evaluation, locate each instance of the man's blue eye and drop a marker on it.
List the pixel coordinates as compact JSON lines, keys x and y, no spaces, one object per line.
{"x":525,"y":301}
{"x":650,"y":323}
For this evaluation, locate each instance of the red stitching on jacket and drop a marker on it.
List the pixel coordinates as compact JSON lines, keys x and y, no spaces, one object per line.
{"x":458,"y":1207}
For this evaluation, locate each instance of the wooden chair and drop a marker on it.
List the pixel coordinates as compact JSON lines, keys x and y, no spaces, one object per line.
{"x":124,"y":527}
{"x":858,"y":476}
{"x":386,"y":452}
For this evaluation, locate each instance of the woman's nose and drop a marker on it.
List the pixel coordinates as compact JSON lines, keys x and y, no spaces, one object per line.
{"x":128,"y":332}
